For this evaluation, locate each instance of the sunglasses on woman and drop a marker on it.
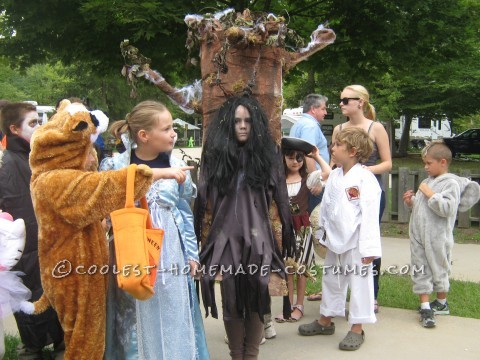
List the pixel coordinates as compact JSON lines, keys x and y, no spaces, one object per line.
{"x":345,"y":100}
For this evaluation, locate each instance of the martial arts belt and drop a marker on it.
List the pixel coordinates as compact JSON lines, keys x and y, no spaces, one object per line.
{"x":137,"y":245}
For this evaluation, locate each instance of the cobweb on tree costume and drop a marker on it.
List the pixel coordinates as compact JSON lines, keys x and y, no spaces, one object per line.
{"x":240,"y":53}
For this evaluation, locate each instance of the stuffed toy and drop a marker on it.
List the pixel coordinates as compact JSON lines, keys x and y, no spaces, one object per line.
{"x":69,"y":204}
{"x":13,"y":293}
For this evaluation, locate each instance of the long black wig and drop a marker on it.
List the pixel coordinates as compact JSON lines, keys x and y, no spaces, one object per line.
{"x":221,"y":148}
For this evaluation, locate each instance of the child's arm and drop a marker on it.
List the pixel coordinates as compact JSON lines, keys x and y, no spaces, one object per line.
{"x":326,"y":169}
{"x":445,"y":202}
{"x":81,"y":198}
{"x":318,"y":177}
{"x":426,"y":190}
{"x":409,"y":198}
{"x":178,"y":174}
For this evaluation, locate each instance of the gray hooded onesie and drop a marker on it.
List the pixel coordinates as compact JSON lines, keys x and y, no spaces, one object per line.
{"x":431,"y":229}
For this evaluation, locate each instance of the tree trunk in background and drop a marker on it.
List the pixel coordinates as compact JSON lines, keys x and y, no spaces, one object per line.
{"x":311,"y":84}
{"x":402,"y":150}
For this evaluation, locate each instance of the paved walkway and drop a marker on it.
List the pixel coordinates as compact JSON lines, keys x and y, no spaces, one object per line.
{"x":396,"y":335}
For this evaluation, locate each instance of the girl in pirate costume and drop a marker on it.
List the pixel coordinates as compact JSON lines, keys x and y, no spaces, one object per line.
{"x":299,"y":183}
{"x":241,"y":181}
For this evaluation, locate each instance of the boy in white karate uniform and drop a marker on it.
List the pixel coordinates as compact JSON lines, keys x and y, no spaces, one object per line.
{"x":349,"y":217}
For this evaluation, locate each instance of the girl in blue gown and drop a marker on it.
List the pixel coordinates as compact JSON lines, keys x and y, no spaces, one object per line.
{"x":168,"y":325}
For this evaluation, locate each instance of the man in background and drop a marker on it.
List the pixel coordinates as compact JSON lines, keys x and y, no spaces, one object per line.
{"x":308,"y":128}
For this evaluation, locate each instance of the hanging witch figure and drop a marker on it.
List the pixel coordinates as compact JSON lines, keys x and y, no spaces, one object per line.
{"x":241,"y":208}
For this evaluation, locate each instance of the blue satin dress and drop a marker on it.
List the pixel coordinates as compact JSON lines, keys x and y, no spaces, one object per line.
{"x":169,"y":325}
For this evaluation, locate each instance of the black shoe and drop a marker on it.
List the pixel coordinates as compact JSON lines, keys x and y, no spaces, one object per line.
{"x":25,"y":353}
{"x":427,"y":318}
{"x":438,"y":308}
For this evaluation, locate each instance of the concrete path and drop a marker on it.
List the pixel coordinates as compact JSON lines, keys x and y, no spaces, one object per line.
{"x":396,"y":335}
{"x":465,"y":259}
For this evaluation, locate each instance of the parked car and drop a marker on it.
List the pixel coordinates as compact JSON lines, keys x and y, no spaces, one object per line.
{"x":467,"y":142}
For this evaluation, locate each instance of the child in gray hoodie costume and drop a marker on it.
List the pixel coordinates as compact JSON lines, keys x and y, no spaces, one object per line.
{"x":431,"y":228}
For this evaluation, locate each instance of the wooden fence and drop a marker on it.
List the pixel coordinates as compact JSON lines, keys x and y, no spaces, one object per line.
{"x":403,"y":179}
{"x":395,"y":185}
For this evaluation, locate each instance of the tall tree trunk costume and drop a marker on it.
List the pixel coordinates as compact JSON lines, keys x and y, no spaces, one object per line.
{"x":239,"y":52}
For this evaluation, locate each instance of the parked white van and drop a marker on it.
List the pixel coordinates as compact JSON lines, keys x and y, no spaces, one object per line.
{"x":424,"y":128}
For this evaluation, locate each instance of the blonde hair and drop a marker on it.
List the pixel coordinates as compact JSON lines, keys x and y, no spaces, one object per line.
{"x":143,"y":116}
{"x":357,"y":138}
{"x":437,"y":150}
{"x":363,"y":94}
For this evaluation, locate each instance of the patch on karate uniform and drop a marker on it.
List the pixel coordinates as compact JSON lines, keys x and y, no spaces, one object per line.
{"x":353,"y":193}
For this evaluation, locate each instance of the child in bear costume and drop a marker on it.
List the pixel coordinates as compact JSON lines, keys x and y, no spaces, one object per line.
{"x":70,"y":203}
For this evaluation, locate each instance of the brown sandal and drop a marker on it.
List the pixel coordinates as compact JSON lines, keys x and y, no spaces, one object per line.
{"x":315,"y":297}
{"x":296,"y":318}
{"x":280,"y":319}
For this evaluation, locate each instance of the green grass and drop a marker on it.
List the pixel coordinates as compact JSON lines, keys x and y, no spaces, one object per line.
{"x":462,"y":236}
{"x":11,"y":343}
{"x":396,"y":292}
{"x":414,"y":162}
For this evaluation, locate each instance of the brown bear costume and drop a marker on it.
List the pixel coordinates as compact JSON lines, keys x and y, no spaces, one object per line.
{"x":70,"y":203}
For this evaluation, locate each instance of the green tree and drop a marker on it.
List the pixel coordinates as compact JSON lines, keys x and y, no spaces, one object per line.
{"x":416,"y":58}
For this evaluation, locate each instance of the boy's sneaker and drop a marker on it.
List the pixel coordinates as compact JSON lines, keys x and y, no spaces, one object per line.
{"x":439,"y":309}
{"x":270,"y":332}
{"x":427,"y":318}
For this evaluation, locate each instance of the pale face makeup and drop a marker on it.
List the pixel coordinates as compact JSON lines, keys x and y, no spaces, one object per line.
{"x":243,"y":124}
{"x":29,"y":125}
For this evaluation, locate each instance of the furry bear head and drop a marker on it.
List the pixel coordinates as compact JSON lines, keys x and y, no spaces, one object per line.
{"x":66,"y":140}
{"x":12,"y":242}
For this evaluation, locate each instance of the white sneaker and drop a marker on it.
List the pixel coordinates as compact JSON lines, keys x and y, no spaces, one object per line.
{"x":261,"y":342}
{"x":270,"y":332}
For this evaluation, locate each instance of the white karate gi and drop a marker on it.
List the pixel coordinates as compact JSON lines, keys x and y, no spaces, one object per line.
{"x":349,"y":214}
